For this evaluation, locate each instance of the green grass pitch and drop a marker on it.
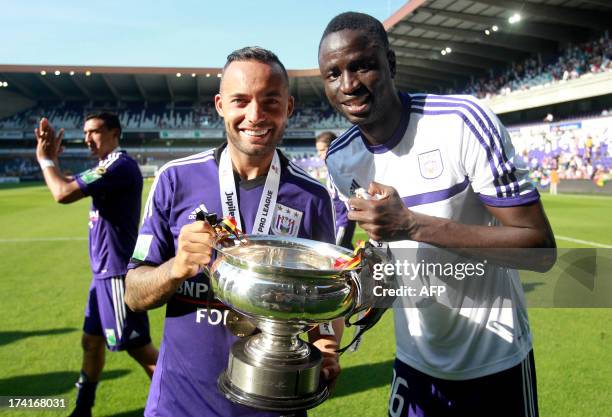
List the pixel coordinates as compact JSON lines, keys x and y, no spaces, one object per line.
{"x":44,"y":277}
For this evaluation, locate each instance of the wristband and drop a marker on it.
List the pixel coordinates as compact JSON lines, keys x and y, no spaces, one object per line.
{"x":45,"y":163}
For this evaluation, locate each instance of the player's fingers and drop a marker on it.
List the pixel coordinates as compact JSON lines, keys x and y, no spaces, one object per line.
{"x":356,"y":203}
{"x":196,"y":247}
{"x":382,"y":190}
{"x":361,"y":216}
{"x":60,"y":136}
{"x":331,"y":370}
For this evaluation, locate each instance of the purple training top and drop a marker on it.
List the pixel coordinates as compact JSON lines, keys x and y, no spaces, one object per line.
{"x":115,"y":186}
{"x":195,"y":344}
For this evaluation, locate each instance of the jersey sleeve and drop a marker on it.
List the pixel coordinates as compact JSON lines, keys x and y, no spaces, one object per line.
{"x":114,"y":173}
{"x":488,"y":158}
{"x":155,"y":244}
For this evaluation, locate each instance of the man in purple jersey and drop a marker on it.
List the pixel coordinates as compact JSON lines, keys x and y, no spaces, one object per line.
{"x":345,"y":228}
{"x":443,"y":172}
{"x":115,"y":186}
{"x":250,"y":180}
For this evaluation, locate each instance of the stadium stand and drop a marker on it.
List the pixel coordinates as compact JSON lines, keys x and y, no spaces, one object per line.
{"x":573,"y":62}
{"x":576,"y":149}
{"x":163,"y":116}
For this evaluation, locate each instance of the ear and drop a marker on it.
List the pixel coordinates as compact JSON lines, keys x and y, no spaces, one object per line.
{"x":116,"y":134}
{"x":290,"y":106}
{"x":392,"y":62}
{"x":219,"y":104}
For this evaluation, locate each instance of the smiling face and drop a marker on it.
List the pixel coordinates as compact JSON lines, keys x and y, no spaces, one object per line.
{"x":255,"y":104}
{"x":100,"y":139}
{"x":358,"y":76}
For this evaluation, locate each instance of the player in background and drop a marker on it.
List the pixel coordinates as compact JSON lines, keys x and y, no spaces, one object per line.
{"x":443,"y":170}
{"x":115,"y":187}
{"x":248,"y":178}
{"x":345,"y":228}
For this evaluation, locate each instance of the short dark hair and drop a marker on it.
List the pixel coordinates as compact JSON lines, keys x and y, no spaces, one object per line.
{"x":326,"y":136}
{"x":255,"y":53}
{"x":358,"y":21}
{"x":111,"y":120}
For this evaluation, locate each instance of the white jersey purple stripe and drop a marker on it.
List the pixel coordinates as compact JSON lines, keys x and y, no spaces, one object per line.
{"x":449,"y":157}
{"x":487,"y":135}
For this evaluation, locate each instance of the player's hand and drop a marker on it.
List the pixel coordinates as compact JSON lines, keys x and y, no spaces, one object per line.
{"x":195,"y":244}
{"x":330,"y":369}
{"x":384,"y":217}
{"x":48,"y":144}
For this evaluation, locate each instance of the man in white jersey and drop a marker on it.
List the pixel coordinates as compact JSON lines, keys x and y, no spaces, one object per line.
{"x":442,"y":169}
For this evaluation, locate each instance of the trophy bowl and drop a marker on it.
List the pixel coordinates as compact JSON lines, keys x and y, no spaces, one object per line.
{"x":284,"y":286}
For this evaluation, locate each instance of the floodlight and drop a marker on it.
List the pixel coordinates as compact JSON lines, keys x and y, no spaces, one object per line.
{"x":57,"y":72}
{"x":43,"y":72}
{"x":495,"y":28}
{"x":487,"y":32}
{"x":515,"y":18}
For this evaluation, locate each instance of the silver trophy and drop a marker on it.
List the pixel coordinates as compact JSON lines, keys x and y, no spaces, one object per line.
{"x":284,"y":286}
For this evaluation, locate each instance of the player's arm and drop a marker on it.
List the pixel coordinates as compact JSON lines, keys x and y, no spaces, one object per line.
{"x":48,"y":148}
{"x":148,"y":287}
{"x":526,"y":226}
{"x":327,"y":339}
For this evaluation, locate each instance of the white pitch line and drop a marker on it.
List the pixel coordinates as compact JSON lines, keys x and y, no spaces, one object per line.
{"x":41,"y":239}
{"x":584,"y":242}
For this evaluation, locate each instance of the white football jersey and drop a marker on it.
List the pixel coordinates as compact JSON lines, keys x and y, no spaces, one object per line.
{"x":448,"y":158}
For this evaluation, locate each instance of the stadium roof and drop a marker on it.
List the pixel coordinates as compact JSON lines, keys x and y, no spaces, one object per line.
{"x":419,"y":33}
{"x":477,"y":35}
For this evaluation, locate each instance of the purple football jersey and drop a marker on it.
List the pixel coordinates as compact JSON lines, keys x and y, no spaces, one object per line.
{"x":195,"y":344}
{"x":115,"y":187}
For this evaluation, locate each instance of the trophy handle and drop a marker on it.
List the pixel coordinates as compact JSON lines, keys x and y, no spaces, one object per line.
{"x":362,"y":286}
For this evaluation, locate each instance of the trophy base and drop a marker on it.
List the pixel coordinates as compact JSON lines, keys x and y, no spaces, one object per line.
{"x":284,"y":405}
{"x":273,"y":386}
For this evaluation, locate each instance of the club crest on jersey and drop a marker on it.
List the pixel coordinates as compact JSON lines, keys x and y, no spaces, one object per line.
{"x":286,"y":221}
{"x":194,"y":213}
{"x":430,"y":164}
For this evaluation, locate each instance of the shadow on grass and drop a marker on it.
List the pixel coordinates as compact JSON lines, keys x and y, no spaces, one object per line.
{"x":10,"y":337}
{"x":531,"y":286}
{"x":133,"y":413}
{"x":363,"y":377}
{"x":52,"y":383}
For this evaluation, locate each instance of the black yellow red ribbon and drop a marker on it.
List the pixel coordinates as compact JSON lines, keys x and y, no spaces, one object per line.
{"x":346,"y":262}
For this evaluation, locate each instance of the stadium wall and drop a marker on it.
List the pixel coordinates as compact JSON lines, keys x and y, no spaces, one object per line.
{"x":580,"y":187}
{"x":587,"y":86}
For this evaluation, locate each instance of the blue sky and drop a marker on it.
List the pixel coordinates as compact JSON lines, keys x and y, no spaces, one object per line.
{"x":179,"y":33}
